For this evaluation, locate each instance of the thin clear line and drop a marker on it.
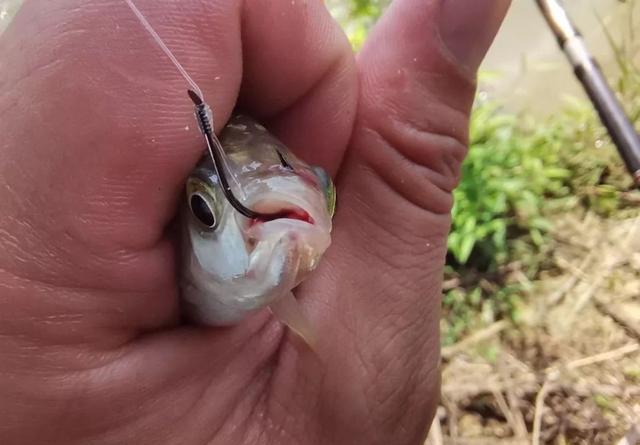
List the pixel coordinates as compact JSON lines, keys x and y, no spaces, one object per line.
{"x":164,"y":47}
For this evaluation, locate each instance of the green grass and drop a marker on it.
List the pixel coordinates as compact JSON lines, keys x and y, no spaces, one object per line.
{"x":520,"y":173}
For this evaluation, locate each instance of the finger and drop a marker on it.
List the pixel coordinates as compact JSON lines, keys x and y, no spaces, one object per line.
{"x":94,"y":153}
{"x":99,"y":135}
{"x":313,"y":50}
{"x":99,"y":132}
{"x":382,"y":276}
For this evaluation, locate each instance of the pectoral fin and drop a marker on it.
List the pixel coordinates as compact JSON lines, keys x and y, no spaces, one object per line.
{"x":288,"y":310}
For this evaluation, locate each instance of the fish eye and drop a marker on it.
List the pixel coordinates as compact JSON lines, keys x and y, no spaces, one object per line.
{"x":203,"y":212}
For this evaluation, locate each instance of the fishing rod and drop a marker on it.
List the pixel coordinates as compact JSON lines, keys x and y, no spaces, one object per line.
{"x":620,"y":128}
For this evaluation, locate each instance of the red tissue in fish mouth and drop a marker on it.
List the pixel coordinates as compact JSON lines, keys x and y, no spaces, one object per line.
{"x":297,"y":214}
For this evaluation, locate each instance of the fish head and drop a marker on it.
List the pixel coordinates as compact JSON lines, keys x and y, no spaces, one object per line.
{"x":233,"y":265}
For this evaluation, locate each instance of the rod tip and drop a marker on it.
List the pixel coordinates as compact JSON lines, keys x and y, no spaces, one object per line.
{"x":197,"y":100}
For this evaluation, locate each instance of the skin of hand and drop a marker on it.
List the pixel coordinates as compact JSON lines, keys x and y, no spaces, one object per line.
{"x":98,"y":136}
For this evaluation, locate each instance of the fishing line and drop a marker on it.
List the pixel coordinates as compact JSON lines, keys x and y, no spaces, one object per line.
{"x":164,"y":47}
{"x":205,"y":122}
{"x":194,"y":86}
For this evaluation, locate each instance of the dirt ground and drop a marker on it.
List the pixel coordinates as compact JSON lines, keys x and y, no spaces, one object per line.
{"x":569,"y":371}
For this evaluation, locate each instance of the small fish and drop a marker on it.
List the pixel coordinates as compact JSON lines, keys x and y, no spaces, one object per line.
{"x":233,"y":265}
{"x":255,"y":222}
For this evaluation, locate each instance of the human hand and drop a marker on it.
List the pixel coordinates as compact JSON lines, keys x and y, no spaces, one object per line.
{"x":98,"y":137}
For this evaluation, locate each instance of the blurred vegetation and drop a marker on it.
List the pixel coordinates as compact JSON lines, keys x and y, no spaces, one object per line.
{"x":357,"y":17}
{"x":520,"y":172}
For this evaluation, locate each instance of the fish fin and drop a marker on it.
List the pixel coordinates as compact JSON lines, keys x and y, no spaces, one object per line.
{"x":288,"y":310}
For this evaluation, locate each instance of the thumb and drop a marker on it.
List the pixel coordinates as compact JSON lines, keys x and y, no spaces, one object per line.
{"x":418,"y":81}
{"x":417,"y":75}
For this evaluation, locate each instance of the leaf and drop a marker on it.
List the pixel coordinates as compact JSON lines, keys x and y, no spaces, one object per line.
{"x":466,"y":246}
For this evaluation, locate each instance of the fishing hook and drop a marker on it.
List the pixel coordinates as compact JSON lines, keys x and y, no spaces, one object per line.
{"x":217,"y":156}
{"x":203,"y":114}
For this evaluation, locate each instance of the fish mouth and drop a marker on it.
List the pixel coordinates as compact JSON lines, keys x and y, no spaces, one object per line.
{"x":299,"y":221}
{"x":283,"y":210}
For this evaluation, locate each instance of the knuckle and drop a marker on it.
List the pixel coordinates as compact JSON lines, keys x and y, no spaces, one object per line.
{"x":413,"y":128}
{"x":422,"y":169}
{"x":419,"y":160}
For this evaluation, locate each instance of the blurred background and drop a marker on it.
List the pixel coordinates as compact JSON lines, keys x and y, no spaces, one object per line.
{"x":541,"y":320}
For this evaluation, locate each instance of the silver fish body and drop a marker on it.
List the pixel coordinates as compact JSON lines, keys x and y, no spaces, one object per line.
{"x":231,"y":265}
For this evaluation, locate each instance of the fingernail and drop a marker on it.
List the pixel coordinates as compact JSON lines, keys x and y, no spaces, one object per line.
{"x":467,"y":28}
